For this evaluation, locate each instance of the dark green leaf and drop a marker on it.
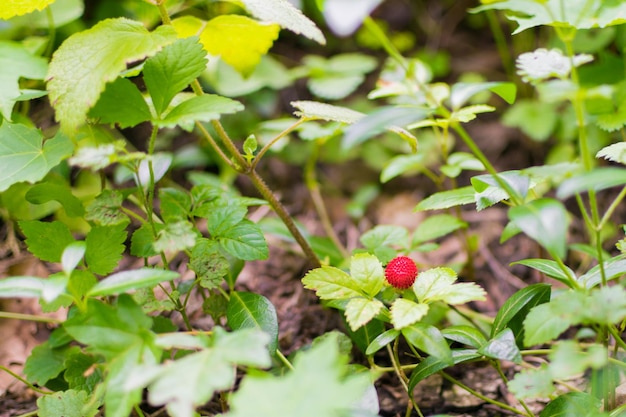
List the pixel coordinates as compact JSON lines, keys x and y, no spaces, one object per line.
{"x":175,"y":204}
{"x":48,"y":191}
{"x":105,"y":247}
{"x":220,"y":219}
{"x":447,"y":199}
{"x":45,"y":363}
{"x":70,"y":403}
{"x":46,"y":240}
{"x":365,"y":335}
{"x":466,"y":335}
{"x":381,"y":341}
{"x":250,"y":310}
{"x":121,"y":103}
{"x":428,"y":339}
{"x":549,"y":268}
{"x":573,"y":404}
{"x":597,"y":179}
{"x":547,"y":321}
{"x":431,"y":365}
{"x":82,"y":372}
{"x":142,"y":241}
{"x":245,"y":241}
{"x":502,"y":346}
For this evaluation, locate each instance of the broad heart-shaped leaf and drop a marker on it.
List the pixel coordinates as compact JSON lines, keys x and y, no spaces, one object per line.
{"x":186,"y":383}
{"x":574,"y":404}
{"x":516,"y":308}
{"x":331,"y":283}
{"x":131,"y":280}
{"x":24,"y":156}
{"x":121,"y":103}
{"x":406,"y":312}
{"x":286,"y":15}
{"x":550,"y":269}
{"x":70,"y":403}
{"x":360,"y":311}
{"x":547,"y":321}
{"x":75,"y":83}
{"x":16,"y":62}
{"x":581,"y":14}
{"x":21,"y":7}
{"x":202,"y":108}
{"x":432,"y":364}
{"x":46,"y":240}
{"x":172,"y":69}
{"x":367,"y":271}
{"x":428,"y":339}
{"x":238,"y":40}
{"x":597,"y":179}
{"x":316,"y":387}
{"x":546,"y":221}
{"x":502,"y":346}
{"x":105,"y":246}
{"x":447,"y":199}
{"x":249,"y":310}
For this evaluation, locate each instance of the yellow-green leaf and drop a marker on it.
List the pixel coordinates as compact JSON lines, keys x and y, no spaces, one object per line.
{"x":19,"y":7}
{"x":238,"y":40}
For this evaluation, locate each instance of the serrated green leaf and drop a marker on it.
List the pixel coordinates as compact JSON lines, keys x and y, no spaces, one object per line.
{"x":360,"y":311}
{"x":547,"y":321}
{"x":464,"y":334}
{"x":175,"y":204}
{"x":16,"y":62}
{"x":437,"y":284}
{"x":382,"y":340}
{"x":80,"y":283}
{"x":286,"y":15}
{"x":199,"y":108}
{"x":516,"y":308}
{"x":131,"y":280}
{"x":22,"y":7}
{"x":238,"y":40}
{"x":430,"y":340}
{"x":436,"y":226}
{"x":24,"y":156}
{"x":574,"y":404}
{"x":81,"y":372}
{"x":331,"y":283}
{"x":245,"y":241}
{"x":318,"y":380}
{"x":222,"y":218}
{"x":106,"y":209}
{"x":321,"y":111}
{"x":532,"y":383}
{"x":45,"y":192}
{"x":208,"y":263}
{"x":367,"y":272}
{"x":406,"y":312}
{"x":549,"y":268}
{"x":172,"y":69}
{"x":597,"y":179}
{"x":384,"y":235}
{"x":176,"y":237}
{"x":249,"y":310}
{"x":105,"y":247}
{"x":142,"y":241}
{"x":432,"y":364}
{"x":615,"y":152}
{"x":45,"y":362}
{"x":75,"y":83}
{"x":447,"y":199}
{"x":546,"y":221}
{"x":121,"y":103}
{"x":70,"y":403}
{"x":46,"y":240}
{"x":502,"y":346}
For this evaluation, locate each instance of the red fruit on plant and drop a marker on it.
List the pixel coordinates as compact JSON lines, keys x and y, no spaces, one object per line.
{"x":400,"y":272}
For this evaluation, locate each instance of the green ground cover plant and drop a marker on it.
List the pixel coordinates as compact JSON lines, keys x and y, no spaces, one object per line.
{"x":83,"y":193}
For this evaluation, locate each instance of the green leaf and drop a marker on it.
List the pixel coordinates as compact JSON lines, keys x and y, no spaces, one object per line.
{"x":208,"y":263}
{"x":502,"y":346}
{"x":199,"y":108}
{"x":121,"y":103}
{"x":437,"y":284}
{"x":172,"y":69}
{"x":382,"y":340}
{"x":31,"y":287}
{"x":612,"y":268}
{"x":63,"y":12}
{"x":365,"y":335}
{"x":142,"y":241}
{"x":460,"y":161}
{"x":549,"y":268}
{"x":406,"y":312}
{"x":360,"y":311}
{"x":606,"y":305}
{"x":546,"y":221}
{"x":22,"y":7}
{"x":75,"y":83}
{"x":46,"y":240}
{"x":81,"y":371}
{"x":597,"y":179}
{"x":331,"y":283}
{"x":45,"y":192}
{"x":514,"y":311}
{"x":446,"y":199}
{"x":489,"y":191}
{"x":318,"y":380}
{"x":249,"y":310}
{"x":105,"y":247}
{"x":367,"y":271}
{"x":45,"y":362}
{"x":321,"y":111}
{"x":70,"y":403}
{"x":175,"y":204}
{"x":286,"y":15}
{"x":460,"y":93}
{"x":615,"y":152}
{"x":384,"y":235}
{"x":535,"y":118}
{"x":238,"y":40}
{"x":24,"y":156}
{"x":106,"y":209}
{"x":532,"y":383}
{"x":222,"y":218}
{"x":464,"y":334}
{"x":430,"y":340}
{"x":432,"y":364}
{"x":16,"y":62}
{"x":175,"y":237}
{"x":72,"y":255}
{"x":402,"y":165}
{"x":568,"y":359}
{"x":436,"y":226}
{"x":131,"y":280}
{"x":547,"y":321}
{"x":245,"y":241}
{"x":574,"y":404}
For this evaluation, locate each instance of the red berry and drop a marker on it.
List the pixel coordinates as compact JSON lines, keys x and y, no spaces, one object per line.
{"x":400,"y":272}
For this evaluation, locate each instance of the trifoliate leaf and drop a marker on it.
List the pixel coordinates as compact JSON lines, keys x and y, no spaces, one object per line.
{"x":24,"y":156}
{"x":172,"y":69}
{"x":121,"y":103}
{"x":542,"y":64}
{"x":405,"y":312}
{"x":46,"y":240}
{"x":70,"y":403}
{"x":16,"y":62}
{"x":75,"y":83}
{"x":286,"y":15}
{"x":238,"y":40}
{"x":360,"y":311}
{"x":21,"y":7}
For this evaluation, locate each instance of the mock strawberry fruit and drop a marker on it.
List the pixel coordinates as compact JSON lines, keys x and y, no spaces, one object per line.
{"x":400,"y":272}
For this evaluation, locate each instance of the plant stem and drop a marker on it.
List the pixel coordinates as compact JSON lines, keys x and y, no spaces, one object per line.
{"x":393,"y":355}
{"x":28,"y":317}
{"x":24,"y":381}
{"x":498,"y":367}
{"x":284,"y":360}
{"x":275,"y":139}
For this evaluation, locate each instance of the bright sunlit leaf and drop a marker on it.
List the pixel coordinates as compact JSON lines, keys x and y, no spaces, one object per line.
{"x":13,"y":8}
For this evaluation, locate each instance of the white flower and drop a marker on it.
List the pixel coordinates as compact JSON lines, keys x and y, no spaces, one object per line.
{"x":542,"y":64}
